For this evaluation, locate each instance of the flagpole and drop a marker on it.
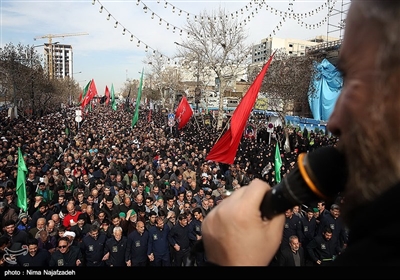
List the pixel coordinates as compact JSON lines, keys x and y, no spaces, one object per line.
{"x":225,"y":149}
{"x":198,"y":126}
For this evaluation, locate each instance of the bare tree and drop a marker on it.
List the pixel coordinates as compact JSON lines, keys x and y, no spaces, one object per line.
{"x":217,"y":43}
{"x":287,"y":83}
{"x":26,"y":84}
{"x":165,"y":79}
{"x":15,"y":62}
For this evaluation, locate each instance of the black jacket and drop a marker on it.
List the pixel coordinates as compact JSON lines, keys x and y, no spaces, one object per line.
{"x":68,"y":259}
{"x":116,"y":250}
{"x":373,"y":235}
{"x":285,"y":257}
{"x":40,"y":259}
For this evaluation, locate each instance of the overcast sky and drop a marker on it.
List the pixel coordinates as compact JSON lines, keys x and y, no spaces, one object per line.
{"x":109,"y":57}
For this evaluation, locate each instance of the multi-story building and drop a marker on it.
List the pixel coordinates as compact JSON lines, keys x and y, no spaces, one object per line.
{"x":58,"y":60}
{"x":293,"y":47}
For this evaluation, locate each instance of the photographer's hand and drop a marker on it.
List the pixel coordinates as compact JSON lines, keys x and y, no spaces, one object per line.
{"x":234,"y":232}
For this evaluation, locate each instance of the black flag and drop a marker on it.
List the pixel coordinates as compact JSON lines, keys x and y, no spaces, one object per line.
{"x":127,"y":100}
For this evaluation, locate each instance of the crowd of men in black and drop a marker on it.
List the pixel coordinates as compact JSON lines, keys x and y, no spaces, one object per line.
{"x":101,"y":193}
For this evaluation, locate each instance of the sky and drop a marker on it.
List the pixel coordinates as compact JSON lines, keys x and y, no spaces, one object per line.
{"x":109,"y":57}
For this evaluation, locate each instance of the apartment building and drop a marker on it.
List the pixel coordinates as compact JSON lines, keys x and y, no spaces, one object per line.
{"x":58,"y":60}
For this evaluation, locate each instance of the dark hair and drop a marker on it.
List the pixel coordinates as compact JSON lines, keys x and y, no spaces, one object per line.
{"x":9,"y":223}
{"x":64,"y":209}
{"x":94,"y":227}
{"x":62,"y":228}
{"x":32,"y":241}
{"x":43,"y":204}
{"x":182,"y":192}
{"x":4,"y":240}
{"x":141,"y":208}
{"x":152,"y":213}
{"x":197,"y":210}
{"x":308,"y":210}
{"x":161,"y":212}
{"x":182,"y":216}
{"x":64,"y":238}
{"x":193,"y":200}
{"x":114,"y":216}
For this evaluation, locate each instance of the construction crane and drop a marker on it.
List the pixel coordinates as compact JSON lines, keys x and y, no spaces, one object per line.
{"x":50,"y":38}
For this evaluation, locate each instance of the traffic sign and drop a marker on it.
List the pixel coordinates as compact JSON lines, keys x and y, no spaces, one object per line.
{"x":270,"y":127}
{"x":78,"y":118}
{"x":171,"y":123}
{"x":171,"y":119}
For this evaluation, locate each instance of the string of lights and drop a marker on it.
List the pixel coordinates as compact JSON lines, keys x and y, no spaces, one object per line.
{"x":247,"y":7}
{"x":251,"y":9}
{"x":125,"y":30}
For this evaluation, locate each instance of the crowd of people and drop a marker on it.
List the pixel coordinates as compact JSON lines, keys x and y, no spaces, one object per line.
{"x":366,"y":118}
{"x":101,"y":193}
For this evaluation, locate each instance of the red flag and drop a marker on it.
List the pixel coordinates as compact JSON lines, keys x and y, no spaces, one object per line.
{"x":80,"y":96}
{"x":92,"y":92}
{"x":183,"y":113}
{"x":225,"y":149}
{"x":107,"y":94}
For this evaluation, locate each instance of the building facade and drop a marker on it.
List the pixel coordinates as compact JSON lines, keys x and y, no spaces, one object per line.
{"x":293,"y":47}
{"x":58,"y":60}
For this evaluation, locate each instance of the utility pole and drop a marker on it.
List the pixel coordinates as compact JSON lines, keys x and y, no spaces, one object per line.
{"x":197,"y":90}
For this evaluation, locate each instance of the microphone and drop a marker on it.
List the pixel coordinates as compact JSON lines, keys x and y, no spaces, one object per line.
{"x":319,"y":175}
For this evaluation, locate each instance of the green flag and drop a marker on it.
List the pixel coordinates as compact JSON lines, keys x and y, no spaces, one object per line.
{"x":113,"y":102}
{"x":85,"y":90}
{"x":278,"y":163}
{"x":139,"y":95}
{"x":21,"y":182}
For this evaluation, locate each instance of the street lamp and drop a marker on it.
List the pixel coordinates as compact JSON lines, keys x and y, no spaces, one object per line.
{"x":72,"y":77}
